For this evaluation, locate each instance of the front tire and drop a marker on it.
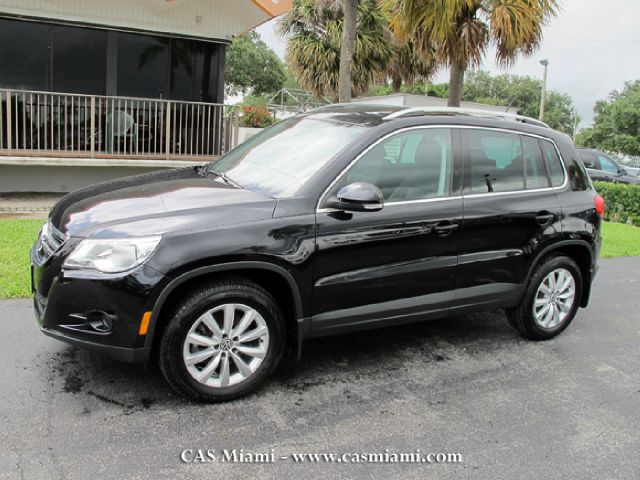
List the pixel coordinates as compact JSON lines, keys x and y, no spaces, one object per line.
{"x":551,"y":299}
{"x":222,"y":341}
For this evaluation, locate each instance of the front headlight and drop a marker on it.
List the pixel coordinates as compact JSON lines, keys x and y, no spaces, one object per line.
{"x":112,"y":255}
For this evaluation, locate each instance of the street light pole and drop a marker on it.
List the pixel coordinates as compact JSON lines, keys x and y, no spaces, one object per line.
{"x":544,"y":63}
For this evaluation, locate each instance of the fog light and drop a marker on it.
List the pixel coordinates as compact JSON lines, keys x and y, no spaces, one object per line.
{"x":100,"y":321}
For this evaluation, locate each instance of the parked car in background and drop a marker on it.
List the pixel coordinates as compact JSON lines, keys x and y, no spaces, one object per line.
{"x":338,"y":220}
{"x":601,"y":167}
{"x":633,"y":171}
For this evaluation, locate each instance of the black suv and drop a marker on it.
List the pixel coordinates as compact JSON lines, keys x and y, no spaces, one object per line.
{"x":344,"y":218}
{"x":601,"y":167}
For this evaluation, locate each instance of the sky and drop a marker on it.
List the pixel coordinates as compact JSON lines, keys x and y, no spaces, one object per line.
{"x":593,"y":47}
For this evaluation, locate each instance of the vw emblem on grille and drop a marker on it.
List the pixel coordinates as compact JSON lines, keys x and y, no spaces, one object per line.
{"x":226,"y":345}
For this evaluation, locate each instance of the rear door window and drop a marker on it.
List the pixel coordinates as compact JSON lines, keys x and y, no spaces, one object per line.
{"x":495,"y":161}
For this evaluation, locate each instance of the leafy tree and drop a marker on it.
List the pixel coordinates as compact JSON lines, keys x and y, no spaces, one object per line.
{"x":252,"y":67}
{"x":314,"y":33}
{"x":523,"y":93}
{"x":616,"y":125}
{"x":459,"y":31}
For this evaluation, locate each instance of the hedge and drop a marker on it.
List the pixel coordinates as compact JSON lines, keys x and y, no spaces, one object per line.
{"x":621,"y":202}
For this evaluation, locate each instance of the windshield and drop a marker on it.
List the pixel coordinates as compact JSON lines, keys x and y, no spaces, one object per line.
{"x":282,"y":158}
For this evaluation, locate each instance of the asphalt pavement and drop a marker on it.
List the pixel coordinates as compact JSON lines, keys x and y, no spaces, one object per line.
{"x":568,"y":408}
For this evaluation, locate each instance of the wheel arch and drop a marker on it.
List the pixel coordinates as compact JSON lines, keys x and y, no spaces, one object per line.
{"x":273,"y":278}
{"x":578,"y":250}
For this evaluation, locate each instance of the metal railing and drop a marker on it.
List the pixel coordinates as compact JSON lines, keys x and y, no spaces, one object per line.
{"x":72,"y":125}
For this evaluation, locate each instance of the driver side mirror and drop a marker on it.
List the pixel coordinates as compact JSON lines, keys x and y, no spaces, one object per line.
{"x":358,"y":197}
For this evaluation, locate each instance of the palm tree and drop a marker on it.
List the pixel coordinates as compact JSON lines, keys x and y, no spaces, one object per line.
{"x":409,"y":64}
{"x":460,"y":31}
{"x":314,"y":53}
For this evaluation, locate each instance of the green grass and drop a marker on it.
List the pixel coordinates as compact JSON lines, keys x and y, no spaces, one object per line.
{"x":17,"y":236}
{"x":620,"y":240}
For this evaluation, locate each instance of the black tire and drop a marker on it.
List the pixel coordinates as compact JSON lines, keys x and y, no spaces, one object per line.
{"x":231,"y":290}
{"x":522,"y":318}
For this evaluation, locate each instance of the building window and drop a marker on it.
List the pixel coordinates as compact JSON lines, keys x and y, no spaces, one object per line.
{"x":80,"y":60}
{"x":143,"y":63}
{"x":24,"y":55}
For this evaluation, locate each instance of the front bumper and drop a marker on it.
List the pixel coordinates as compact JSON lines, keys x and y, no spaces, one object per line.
{"x":100,"y":313}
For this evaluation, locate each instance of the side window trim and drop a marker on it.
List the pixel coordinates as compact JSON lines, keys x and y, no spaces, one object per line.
{"x":461,"y":167}
{"x":455,"y":162}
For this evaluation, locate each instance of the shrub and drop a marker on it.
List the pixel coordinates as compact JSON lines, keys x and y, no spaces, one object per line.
{"x":621,"y":202}
{"x":256,"y":116}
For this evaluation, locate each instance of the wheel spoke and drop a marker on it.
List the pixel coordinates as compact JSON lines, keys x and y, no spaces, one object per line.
{"x":563,"y":306}
{"x":224,"y":371}
{"x":246,"y":320}
{"x":243,"y":368}
{"x":545,"y":310}
{"x":253,"y":334}
{"x":556,"y":315}
{"x":568,"y":294}
{"x":229,"y":314}
{"x":201,"y":340}
{"x":552,"y":281}
{"x":257,"y":352}
{"x":545,"y":289}
{"x":540,"y":302}
{"x":211,"y":324}
{"x":198,"y":357}
{"x":206,"y":372}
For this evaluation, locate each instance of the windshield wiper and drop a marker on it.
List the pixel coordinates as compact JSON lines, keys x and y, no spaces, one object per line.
{"x":228,"y":180}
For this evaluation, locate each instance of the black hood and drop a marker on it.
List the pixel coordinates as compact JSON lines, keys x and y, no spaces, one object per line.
{"x":156,"y":203}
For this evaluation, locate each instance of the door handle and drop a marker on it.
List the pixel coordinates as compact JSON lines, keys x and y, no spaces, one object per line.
{"x":445,"y":228}
{"x":543,"y":218}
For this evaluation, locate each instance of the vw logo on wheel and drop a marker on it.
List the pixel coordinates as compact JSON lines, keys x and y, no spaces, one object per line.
{"x":226,"y":345}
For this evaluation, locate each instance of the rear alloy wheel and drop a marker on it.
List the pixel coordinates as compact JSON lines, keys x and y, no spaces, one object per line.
{"x":222,"y":341}
{"x":551,"y":299}
{"x":554,"y":298}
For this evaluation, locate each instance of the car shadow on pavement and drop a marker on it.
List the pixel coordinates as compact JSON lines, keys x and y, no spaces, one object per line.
{"x":371,"y":356}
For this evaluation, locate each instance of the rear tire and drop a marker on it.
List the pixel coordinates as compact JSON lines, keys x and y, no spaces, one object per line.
{"x":551,"y":299}
{"x":222,"y":341}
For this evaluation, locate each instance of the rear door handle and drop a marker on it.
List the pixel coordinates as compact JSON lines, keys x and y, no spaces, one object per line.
{"x":445,"y":228}
{"x":544,"y":218}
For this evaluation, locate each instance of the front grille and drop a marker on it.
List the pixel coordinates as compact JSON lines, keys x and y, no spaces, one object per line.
{"x":50,"y":240}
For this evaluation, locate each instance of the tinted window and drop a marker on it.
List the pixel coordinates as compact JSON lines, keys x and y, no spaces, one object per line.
{"x":535,"y":173}
{"x":607,"y":164}
{"x":495,"y":160}
{"x":24,"y":55}
{"x":411,"y":165}
{"x":283,"y":157}
{"x":80,"y":60}
{"x":554,"y":163}
{"x":588,"y":158}
{"x":143,"y":63}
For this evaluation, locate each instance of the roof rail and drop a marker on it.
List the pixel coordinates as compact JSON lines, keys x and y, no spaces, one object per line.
{"x":465,"y":111}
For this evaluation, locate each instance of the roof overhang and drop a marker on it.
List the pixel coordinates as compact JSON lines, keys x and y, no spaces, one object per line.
{"x":219,"y":20}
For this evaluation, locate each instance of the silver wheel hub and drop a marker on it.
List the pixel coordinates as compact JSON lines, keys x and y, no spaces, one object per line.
{"x":554,"y":298}
{"x":226,"y":345}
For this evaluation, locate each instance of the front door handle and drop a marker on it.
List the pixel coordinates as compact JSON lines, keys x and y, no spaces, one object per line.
{"x":543,"y":218}
{"x":445,"y":228}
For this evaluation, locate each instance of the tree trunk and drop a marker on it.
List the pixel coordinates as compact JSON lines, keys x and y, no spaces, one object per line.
{"x":396,"y":83}
{"x":347,"y":47}
{"x":456,"y":82}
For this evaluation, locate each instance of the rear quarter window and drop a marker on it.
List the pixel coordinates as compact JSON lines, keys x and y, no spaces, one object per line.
{"x":554,"y":163}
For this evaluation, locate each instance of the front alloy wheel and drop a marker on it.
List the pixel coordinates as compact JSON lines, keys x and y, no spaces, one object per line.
{"x":226,"y":345}
{"x":222,"y":341}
